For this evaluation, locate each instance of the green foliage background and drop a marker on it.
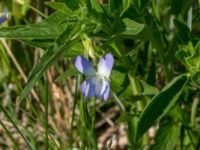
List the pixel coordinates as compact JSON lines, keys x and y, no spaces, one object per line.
{"x":155,"y":81}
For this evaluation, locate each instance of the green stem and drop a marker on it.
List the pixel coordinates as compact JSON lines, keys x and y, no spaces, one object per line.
{"x":190,"y":137}
{"x":10,"y":135}
{"x":19,"y":131}
{"x":74,"y":108}
{"x":46,"y":114}
{"x":118,"y":101}
{"x":189,"y":16}
{"x":37,"y":11}
{"x":194,"y":111}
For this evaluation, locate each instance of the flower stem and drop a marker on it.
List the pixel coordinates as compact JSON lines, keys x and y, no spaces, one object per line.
{"x":193,"y":111}
{"x":37,"y":11}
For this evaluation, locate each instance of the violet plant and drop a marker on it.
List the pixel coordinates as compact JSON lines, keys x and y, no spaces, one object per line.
{"x":155,"y":82}
{"x":97,"y":83}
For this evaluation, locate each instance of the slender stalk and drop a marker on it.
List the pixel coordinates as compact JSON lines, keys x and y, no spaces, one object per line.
{"x":46,"y":98}
{"x":182,"y":137}
{"x":88,"y":122}
{"x":118,"y":101}
{"x":194,"y":111}
{"x":17,"y":65}
{"x":9,"y":51}
{"x":9,"y":134}
{"x":189,"y":16}
{"x":190,"y":137}
{"x":19,"y":131}
{"x":37,"y":11}
{"x":74,"y":108}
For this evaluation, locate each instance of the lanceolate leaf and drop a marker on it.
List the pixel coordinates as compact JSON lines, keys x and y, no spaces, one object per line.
{"x":59,"y":6}
{"x":68,"y":73}
{"x":50,"y":28}
{"x":132,"y":27}
{"x":45,"y":44}
{"x":147,"y":89}
{"x":48,"y":59}
{"x":166,"y":137}
{"x":160,"y":104}
{"x":125,"y":5}
{"x":94,"y":6}
{"x":183,"y":32}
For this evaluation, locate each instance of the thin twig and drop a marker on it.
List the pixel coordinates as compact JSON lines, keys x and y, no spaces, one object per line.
{"x":106,"y":118}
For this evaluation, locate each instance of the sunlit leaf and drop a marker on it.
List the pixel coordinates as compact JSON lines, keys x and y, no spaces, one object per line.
{"x":47,"y":60}
{"x":50,"y":28}
{"x":132,"y":27}
{"x":160,"y":104}
{"x":59,"y":7}
{"x":68,"y":73}
{"x":166,"y":138}
{"x":125,"y":5}
{"x":183,"y":32}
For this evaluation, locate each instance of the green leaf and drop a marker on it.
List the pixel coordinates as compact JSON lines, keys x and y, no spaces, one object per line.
{"x":46,"y":43}
{"x":4,"y":64}
{"x":160,"y":104}
{"x":184,"y":53}
{"x":73,"y":5}
{"x":75,"y":50}
{"x":94,"y":6}
{"x":166,"y":138}
{"x":183,"y":32}
{"x":50,"y":57}
{"x":147,"y":89}
{"x":176,"y":6}
{"x":132,"y":27}
{"x":15,"y":125}
{"x":194,"y":60}
{"x":50,"y":28}
{"x":143,"y":4}
{"x":120,"y":83}
{"x":152,"y":74}
{"x":115,"y":5}
{"x":59,"y":7}
{"x":68,"y":73}
{"x":125,"y":5}
{"x":9,"y":134}
{"x":153,"y":33}
{"x":190,"y":56}
{"x":124,"y":117}
{"x":196,"y":78}
{"x":180,"y":7}
{"x":88,"y":121}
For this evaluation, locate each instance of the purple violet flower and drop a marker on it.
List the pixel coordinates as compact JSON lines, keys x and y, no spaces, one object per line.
{"x":4,"y":17}
{"x":97,"y":83}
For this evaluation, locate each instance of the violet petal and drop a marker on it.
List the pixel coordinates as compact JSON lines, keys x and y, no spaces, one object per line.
{"x":4,"y":17}
{"x":84,"y":66}
{"x":101,"y":86}
{"x":106,"y":93}
{"x":105,"y":65}
{"x":88,"y":88}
